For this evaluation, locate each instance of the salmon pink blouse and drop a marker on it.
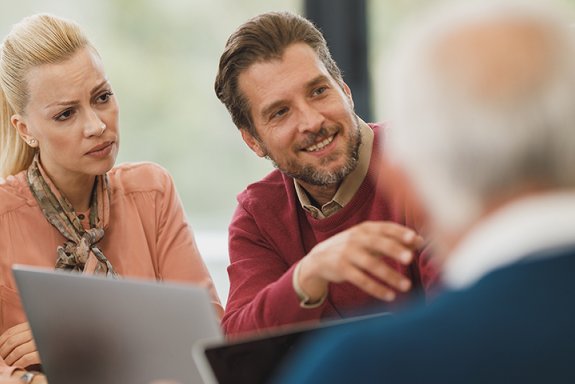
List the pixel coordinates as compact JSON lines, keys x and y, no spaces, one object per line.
{"x":148,"y":235}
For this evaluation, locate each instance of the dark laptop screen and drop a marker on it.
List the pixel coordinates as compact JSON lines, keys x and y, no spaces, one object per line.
{"x":256,"y":360}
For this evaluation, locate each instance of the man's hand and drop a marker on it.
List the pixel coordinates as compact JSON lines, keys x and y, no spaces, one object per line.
{"x":17,"y":346}
{"x":355,"y":254}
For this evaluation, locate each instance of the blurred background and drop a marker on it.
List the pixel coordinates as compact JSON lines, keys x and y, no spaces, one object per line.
{"x":161,"y":57}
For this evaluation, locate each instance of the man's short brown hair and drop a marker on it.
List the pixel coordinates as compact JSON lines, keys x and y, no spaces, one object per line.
{"x":262,"y":38}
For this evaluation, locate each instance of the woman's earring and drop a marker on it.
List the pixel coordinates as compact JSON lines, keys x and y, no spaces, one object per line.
{"x":33,"y":142}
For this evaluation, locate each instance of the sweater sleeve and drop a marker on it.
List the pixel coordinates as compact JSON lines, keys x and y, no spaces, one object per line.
{"x":178,"y":256}
{"x":261,"y":292}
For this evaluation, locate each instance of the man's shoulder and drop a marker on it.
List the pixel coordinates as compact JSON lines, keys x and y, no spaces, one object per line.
{"x":490,"y":328}
{"x":270,"y":186}
{"x":506,"y":303}
{"x":509,"y":286}
{"x":271,"y":192}
{"x":500,"y":306}
{"x":498,"y":310}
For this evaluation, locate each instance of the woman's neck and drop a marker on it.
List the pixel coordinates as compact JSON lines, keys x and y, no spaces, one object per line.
{"x":76,"y":188}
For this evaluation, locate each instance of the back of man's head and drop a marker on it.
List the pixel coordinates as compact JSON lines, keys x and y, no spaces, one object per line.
{"x":482,"y":101}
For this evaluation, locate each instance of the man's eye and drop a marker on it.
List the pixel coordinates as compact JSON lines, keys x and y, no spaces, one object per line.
{"x":279,"y":113}
{"x":319,"y":91}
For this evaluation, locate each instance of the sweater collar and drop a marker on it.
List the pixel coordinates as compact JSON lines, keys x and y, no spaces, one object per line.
{"x":512,"y":234}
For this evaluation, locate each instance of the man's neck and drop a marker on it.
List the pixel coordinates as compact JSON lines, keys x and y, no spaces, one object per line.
{"x":320,"y":194}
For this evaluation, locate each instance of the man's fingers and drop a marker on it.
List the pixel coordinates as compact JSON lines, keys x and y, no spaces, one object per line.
{"x":378,"y":268}
{"x":385,"y":246}
{"x":400,"y":233}
{"x":369,"y":285}
{"x":355,"y":255}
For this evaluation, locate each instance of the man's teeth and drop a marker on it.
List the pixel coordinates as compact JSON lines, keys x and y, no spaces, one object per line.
{"x":320,"y":145}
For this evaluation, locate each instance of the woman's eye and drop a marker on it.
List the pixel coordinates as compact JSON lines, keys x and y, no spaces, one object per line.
{"x":104,"y":97}
{"x":65,"y":115}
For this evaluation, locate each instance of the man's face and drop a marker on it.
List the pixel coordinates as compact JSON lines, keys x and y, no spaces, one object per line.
{"x":304,"y":119}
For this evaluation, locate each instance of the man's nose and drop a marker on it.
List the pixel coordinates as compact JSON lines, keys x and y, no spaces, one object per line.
{"x":310,"y":119}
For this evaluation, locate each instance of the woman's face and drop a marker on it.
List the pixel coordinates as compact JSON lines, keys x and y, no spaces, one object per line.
{"x":68,"y":105}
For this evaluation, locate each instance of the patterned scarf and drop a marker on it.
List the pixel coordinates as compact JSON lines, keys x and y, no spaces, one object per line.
{"x":80,"y":252}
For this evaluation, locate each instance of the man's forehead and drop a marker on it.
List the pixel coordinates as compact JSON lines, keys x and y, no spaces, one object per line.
{"x":298,"y":66}
{"x":296,"y":53}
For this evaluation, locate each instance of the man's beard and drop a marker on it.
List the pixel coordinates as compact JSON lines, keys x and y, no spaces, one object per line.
{"x":313,"y":176}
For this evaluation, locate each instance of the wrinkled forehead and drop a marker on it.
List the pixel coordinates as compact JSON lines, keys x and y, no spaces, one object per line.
{"x":65,"y":79}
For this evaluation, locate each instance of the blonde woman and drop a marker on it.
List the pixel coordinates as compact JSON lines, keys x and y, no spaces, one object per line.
{"x":63,"y":204}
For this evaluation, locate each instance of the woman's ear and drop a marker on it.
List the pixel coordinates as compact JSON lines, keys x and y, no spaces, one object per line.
{"x":19,"y":123}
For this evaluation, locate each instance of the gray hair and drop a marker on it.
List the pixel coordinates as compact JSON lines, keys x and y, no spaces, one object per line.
{"x":463,"y":147}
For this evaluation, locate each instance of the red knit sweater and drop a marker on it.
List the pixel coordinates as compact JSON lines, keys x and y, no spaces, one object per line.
{"x":270,"y":232}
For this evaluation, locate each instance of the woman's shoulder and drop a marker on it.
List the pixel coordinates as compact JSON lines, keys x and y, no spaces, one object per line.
{"x":14,"y":193}
{"x":139,"y":177}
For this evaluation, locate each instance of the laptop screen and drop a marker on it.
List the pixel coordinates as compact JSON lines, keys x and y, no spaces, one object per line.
{"x":255,"y":360}
{"x":89,"y":329}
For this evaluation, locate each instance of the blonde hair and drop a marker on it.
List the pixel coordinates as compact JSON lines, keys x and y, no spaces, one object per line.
{"x":36,"y":40}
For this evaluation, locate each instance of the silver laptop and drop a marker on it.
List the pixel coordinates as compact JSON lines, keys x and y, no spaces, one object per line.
{"x":90,"y":329}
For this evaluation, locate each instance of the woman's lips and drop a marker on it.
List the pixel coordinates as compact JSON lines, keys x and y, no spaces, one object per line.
{"x":101,"y":150}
